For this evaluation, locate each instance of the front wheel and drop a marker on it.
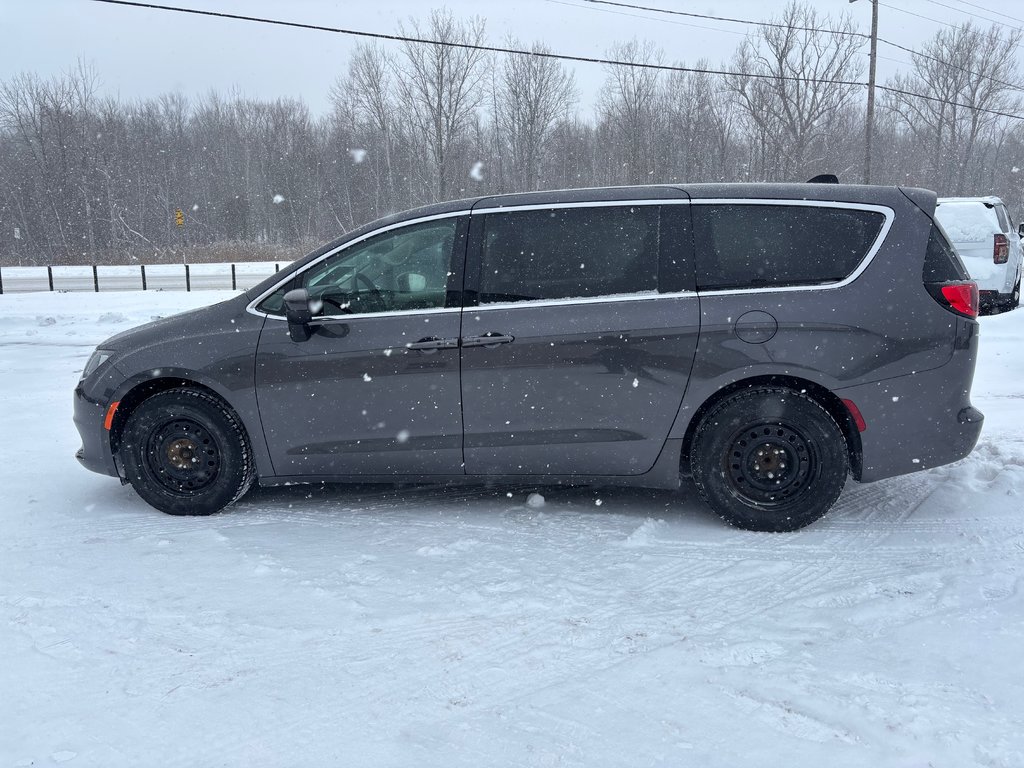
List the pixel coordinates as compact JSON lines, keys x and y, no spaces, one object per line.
{"x":769,"y":459}
{"x":186,"y":453}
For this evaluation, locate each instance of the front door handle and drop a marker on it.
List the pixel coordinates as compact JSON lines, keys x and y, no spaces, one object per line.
{"x":491,"y":339}
{"x":432,"y":344}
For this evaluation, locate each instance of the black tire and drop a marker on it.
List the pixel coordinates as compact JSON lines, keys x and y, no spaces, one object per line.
{"x":186,"y":453}
{"x":769,"y":459}
{"x":1014,"y":300}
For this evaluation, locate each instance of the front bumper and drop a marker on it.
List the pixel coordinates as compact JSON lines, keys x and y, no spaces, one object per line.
{"x":95,"y":453}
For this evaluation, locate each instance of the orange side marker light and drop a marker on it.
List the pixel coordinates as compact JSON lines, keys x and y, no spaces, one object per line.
{"x":109,"y":420}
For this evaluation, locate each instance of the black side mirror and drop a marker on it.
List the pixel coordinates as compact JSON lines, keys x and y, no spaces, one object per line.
{"x":1020,"y":230}
{"x":299,"y":314}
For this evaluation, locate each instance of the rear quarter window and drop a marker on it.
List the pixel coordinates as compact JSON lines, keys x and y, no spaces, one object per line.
{"x":754,"y":245}
{"x":941,"y":263}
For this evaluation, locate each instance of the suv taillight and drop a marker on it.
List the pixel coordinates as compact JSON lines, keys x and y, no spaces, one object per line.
{"x":1001,"y":250}
{"x":961,"y":298}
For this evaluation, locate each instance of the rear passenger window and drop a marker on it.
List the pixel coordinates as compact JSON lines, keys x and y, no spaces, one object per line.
{"x":751,"y":246}
{"x":565,"y":253}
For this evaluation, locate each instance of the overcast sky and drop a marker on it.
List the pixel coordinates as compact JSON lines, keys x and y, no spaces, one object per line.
{"x":142,"y":52}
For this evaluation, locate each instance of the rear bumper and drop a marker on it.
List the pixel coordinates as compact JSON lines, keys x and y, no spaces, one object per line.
{"x":992,"y":299}
{"x":921,"y":420}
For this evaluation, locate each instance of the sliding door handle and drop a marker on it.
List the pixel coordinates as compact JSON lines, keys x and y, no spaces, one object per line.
{"x":491,"y":339}
{"x":432,"y":344}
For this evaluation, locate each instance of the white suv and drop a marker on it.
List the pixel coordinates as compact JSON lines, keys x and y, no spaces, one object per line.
{"x":989,"y":244}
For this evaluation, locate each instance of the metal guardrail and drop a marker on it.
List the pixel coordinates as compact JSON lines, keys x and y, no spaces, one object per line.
{"x":142,"y":277}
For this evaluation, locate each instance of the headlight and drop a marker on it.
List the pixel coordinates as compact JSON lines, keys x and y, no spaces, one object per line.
{"x":99,"y":357}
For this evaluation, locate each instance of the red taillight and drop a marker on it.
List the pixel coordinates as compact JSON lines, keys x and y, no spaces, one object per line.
{"x":858,"y":418}
{"x":1001,"y":250}
{"x":962,"y":298}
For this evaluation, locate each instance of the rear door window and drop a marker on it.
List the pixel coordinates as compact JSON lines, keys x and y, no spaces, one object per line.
{"x":567,"y":253}
{"x":761,"y":245}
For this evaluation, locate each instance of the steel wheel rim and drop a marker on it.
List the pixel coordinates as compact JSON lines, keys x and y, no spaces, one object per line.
{"x":770,"y":464}
{"x":182,"y":456}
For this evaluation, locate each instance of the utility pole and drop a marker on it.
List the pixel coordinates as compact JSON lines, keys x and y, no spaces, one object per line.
{"x":869,"y":129}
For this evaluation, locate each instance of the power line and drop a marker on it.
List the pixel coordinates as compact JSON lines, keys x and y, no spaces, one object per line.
{"x":918,"y":15}
{"x":967,"y":13}
{"x":777,"y":25}
{"x":939,"y":60}
{"x":648,"y":18}
{"x":467,"y":46}
{"x":539,"y":54}
{"x":773,"y":24}
{"x":989,"y":10}
{"x":901,"y":92}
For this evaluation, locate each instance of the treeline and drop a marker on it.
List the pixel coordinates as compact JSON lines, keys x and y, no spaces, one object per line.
{"x":85,"y":178}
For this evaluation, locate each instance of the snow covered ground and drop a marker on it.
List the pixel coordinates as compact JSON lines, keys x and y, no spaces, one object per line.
{"x":429,"y":627}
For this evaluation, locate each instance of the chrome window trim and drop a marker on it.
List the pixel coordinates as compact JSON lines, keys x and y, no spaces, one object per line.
{"x":865,"y":262}
{"x":651,"y":296}
{"x":251,"y":306}
{"x":362,"y":315}
{"x":585,"y":204}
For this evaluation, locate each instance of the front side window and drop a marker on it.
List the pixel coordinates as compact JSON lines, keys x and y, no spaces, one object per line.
{"x":403,"y":269}
{"x":752,"y":246}
{"x":566,"y":253}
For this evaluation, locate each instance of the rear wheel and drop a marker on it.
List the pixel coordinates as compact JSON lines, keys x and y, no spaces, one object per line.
{"x":186,"y":453}
{"x":1014,"y":301}
{"x":769,"y":459}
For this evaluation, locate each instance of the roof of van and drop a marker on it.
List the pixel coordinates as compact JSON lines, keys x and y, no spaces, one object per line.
{"x":787,"y":191}
{"x":855,"y":193}
{"x":987,"y":200}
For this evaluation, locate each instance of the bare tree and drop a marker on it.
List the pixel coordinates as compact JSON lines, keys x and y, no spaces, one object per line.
{"x":532,"y":94}
{"x":89,"y":179}
{"x":628,"y":107}
{"x":365,"y":99}
{"x":790,"y":104}
{"x":440,"y":85}
{"x":698,"y":135}
{"x":959,"y":74}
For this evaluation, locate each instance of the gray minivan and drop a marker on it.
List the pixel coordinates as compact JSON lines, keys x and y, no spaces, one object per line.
{"x":766,"y":340}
